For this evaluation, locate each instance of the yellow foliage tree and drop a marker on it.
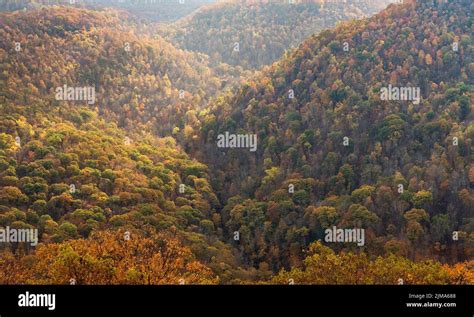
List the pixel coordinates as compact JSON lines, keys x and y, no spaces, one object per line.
{"x":324,"y":266}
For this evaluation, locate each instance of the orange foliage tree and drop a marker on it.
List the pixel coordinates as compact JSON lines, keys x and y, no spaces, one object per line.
{"x":114,"y":257}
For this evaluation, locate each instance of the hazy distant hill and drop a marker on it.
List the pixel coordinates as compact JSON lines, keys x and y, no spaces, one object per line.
{"x":153,"y":10}
{"x":256,"y":33}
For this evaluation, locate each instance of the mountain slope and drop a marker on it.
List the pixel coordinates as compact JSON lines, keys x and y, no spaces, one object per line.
{"x":401,"y":169}
{"x":138,"y":79}
{"x":73,"y":168}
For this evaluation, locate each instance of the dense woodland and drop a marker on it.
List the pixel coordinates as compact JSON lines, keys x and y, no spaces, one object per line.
{"x":94,"y":48}
{"x":301,"y":140}
{"x":133,"y":189}
{"x":251,"y":34}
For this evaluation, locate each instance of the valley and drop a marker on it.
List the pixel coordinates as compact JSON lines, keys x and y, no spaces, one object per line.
{"x":226,"y":166}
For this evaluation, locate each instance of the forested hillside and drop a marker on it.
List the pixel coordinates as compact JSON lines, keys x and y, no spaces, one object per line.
{"x":251,"y":34}
{"x":70,"y":168}
{"x":109,"y":146}
{"x":403,"y":170}
{"x":138,"y":79}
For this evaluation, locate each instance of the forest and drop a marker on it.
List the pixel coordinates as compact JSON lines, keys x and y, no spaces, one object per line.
{"x":135,"y":189}
{"x":150,"y":10}
{"x":253,"y":35}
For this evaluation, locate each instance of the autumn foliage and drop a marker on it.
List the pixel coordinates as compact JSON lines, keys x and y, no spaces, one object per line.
{"x":330,"y":152}
{"x":108,"y":257}
{"x":323,"y":266}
